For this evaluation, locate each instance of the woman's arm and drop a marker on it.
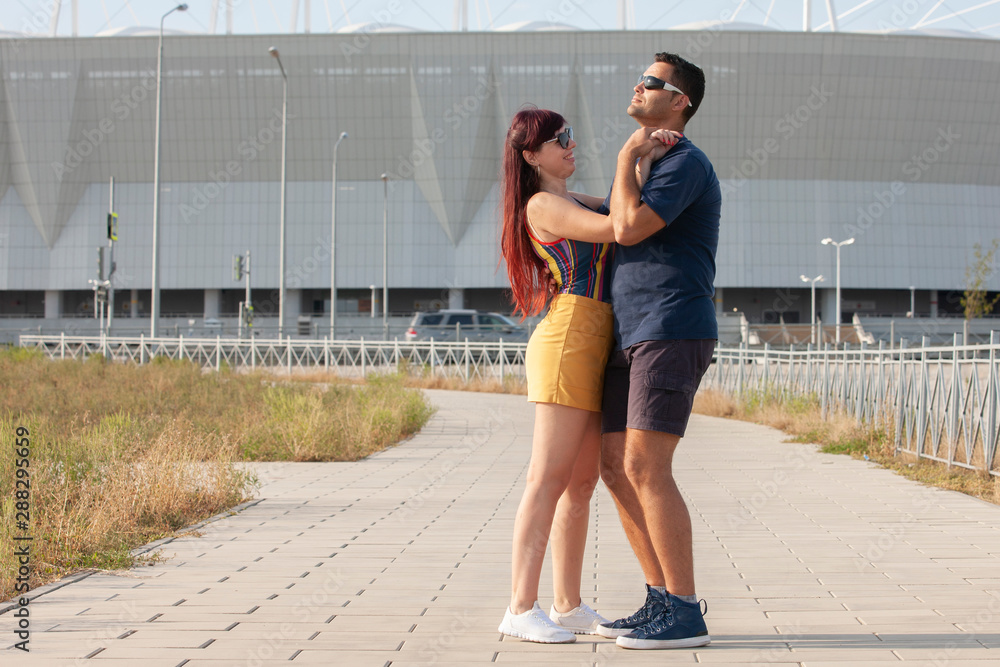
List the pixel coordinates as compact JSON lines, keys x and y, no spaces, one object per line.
{"x":560,"y":218}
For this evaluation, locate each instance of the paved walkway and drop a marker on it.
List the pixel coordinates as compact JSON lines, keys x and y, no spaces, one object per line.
{"x":403,"y":559}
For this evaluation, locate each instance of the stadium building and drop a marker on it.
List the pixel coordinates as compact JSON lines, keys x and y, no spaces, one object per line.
{"x":892,"y":140}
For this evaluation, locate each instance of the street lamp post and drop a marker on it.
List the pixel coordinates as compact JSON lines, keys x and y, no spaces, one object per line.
{"x":281,"y":243}
{"x":154,"y":301}
{"x":385,"y":257}
{"x":913,"y":301}
{"x":812,"y":314}
{"x":333,"y":242}
{"x":829,"y":241}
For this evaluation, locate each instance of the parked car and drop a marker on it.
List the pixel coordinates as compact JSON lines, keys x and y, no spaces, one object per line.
{"x":457,"y":325}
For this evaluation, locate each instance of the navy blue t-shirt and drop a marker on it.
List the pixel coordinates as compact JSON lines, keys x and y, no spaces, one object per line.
{"x":662,"y":287}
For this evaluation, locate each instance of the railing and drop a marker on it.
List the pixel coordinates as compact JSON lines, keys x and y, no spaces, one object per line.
{"x":347,"y":358}
{"x":939,"y":403}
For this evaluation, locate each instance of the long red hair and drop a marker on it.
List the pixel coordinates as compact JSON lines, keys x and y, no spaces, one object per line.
{"x":518,"y":182}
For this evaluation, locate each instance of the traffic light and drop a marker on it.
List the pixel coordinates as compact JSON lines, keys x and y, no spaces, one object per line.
{"x":112,"y":226}
{"x":237,"y":267}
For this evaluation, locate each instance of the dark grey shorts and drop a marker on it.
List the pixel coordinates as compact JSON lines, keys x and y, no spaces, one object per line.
{"x":651,"y":385}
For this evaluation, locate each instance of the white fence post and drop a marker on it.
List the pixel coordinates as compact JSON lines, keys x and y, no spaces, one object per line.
{"x":992,"y":394}
{"x":364,"y":357}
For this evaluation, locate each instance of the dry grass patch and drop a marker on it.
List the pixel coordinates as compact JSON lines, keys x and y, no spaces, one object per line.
{"x":122,"y":455}
{"x":801,"y":417}
{"x":333,"y":421}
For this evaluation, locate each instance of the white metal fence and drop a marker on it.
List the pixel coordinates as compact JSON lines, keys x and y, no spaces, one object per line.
{"x":348,"y":358}
{"x":941,"y":402}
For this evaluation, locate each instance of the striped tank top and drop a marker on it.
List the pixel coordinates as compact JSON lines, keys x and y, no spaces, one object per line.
{"x":578,"y":268}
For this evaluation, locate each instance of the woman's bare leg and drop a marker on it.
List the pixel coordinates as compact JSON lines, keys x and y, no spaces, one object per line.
{"x":558,"y":434}
{"x":572,"y":518}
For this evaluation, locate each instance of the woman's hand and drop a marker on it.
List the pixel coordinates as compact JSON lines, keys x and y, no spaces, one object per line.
{"x":667,"y":139}
{"x":644,"y":140}
{"x":663,"y":141}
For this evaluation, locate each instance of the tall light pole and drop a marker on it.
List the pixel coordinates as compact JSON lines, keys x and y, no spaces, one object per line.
{"x":154,"y":301}
{"x":284,"y":144}
{"x":812,"y":314}
{"x":385,"y":256}
{"x":829,"y":241}
{"x":333,"y":242}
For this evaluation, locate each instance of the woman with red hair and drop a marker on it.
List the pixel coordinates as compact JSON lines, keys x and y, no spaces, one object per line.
{"x":550,"y":232}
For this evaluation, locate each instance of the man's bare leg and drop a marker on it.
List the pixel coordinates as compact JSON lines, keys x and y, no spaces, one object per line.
{"x":648,"y":458}
{"x":630,"y":507}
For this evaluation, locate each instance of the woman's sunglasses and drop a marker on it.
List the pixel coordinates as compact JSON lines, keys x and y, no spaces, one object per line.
{"x":563,"y":137}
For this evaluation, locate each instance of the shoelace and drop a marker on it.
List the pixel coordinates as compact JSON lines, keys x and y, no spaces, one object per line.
{"x":661,"y":622}
{"x":665,"y":620}
{"x":543,"y":617}
{"x":644,"y":613}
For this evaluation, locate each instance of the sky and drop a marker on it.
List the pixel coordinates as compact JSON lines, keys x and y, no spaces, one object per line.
{"x":275,"y":16}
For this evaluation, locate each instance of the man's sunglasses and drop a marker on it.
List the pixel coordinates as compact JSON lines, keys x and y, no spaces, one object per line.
{"x":563,"y":137}
{"x":652,"y":83}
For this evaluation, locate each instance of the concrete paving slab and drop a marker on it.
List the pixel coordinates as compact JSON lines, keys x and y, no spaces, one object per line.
{"x":805,"y":558}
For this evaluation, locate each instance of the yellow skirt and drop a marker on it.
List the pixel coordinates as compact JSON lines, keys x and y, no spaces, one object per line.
{"x":568,"y":351}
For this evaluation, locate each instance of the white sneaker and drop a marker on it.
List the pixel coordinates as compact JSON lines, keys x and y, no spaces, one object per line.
{"x":534,"y":626}
{"x":581,"y":621}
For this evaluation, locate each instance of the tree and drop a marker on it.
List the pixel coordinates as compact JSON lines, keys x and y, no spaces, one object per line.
{"x":975,"y":300}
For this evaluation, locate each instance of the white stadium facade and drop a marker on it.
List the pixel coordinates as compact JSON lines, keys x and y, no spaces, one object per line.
{"x":892,"y":140}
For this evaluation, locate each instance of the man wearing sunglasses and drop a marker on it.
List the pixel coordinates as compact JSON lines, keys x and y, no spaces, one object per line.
{"x":662,"y":292}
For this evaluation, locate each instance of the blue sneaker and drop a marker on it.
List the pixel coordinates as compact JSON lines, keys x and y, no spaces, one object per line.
{"x":651,"y":608}
{"x":680,"y":625}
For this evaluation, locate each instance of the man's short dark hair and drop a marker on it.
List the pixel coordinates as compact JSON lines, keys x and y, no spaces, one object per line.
{"x":688,"y":77}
